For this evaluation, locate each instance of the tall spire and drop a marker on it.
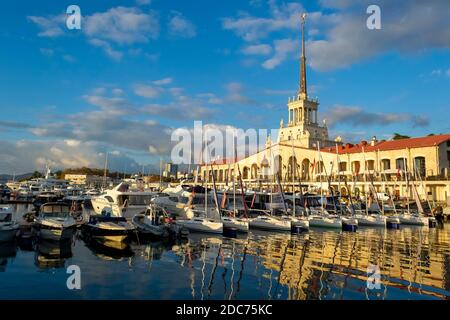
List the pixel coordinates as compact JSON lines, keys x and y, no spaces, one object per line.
{"x":302,"y":89}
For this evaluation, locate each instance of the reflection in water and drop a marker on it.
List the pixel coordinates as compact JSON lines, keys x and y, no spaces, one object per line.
{"x":52,"y":254}
{"x":110,"y":250}
{"x":325,"y":264}
{"x":414,"y":263}
{"x":7,"y":252}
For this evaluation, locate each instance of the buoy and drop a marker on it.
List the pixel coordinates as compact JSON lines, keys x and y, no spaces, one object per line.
{"x":229,"y":232}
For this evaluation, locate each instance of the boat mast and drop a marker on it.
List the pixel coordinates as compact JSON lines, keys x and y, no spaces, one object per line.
{"x":407,"y":183}
{"x":293,"y":180}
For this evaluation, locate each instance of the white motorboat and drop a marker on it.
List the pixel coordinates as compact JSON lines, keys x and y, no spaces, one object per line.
{"x":8,"y":229}
{"x":156,"y":222}
{"x":299,"y":222}
{"x":268,"y":222}
{"x":122,"y":201}
{"x":414,"y":219}
{"x":54,"y":222}
{"x":325,"y":221}
{"x":201,"y":224}
{"x":371,"y":220}
{"x":349,"y":220}
{"x":108,"y":228}
{"x":240,"y":224}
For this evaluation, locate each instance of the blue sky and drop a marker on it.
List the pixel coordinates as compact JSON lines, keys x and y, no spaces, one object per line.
{"x":139,"y":69}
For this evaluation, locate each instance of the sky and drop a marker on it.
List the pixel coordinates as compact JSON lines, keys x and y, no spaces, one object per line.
{"x":139,"y":69}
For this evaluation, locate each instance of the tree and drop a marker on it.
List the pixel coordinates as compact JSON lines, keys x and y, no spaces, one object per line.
{"x":36,"y":174}
{"x":398,"y":136}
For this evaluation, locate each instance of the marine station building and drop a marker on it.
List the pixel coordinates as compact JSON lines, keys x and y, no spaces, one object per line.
{"x":304,"y":155}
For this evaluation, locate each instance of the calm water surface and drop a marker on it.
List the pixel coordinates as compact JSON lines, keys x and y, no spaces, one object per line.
{"x":321,"y":264}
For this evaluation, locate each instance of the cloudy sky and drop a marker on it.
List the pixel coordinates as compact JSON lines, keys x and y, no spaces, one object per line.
{"x":139,"y":69}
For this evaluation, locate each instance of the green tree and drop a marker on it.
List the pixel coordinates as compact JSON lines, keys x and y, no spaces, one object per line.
{"x":398,"y":136}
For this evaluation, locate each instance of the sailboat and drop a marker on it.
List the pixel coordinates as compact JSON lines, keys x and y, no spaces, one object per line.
{"x":201,"y":222}
{"x":230,"y":221}
{"x":372,"y":219}
{"x":321,"y":218}
{"x":408,"y":217}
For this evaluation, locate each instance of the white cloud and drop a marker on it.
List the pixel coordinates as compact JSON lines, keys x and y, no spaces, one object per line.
{"x":257,"y":49}
{"x":164,"y":81}
{"x":179,"y":26}
{"x":236,"y":94}
{"x":147,"y":91}
{"x":122,"y":25}
{"x":143,"y":2}
{"x":338,"y":35}
{"x":27,"y":156}
{"x":358,"y":117}
{"x":51,"y":26}
{"x":112,"y":53}
{"x":283,"y":49}
{"x":250,"y":28}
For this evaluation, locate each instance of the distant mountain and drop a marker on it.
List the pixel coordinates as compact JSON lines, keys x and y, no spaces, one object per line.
{"x":6,"y":177}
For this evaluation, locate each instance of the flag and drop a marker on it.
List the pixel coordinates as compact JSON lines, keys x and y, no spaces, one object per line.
{"x":224,"y":200}
{"x":253,"y":200}
{"x":398,"y":173}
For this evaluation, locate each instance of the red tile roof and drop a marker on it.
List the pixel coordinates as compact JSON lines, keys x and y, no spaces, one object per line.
{"x":421,"y":142}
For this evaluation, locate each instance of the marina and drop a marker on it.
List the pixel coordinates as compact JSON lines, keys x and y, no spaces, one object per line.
{"x":146,"y":154}
{"x":320,"y":264}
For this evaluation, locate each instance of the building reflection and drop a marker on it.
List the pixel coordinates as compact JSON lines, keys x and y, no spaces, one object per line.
{"x":321,"y":264}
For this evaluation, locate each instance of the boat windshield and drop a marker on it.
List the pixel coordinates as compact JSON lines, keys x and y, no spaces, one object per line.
{"x":136,"y":200}
{"x":55,"y":211}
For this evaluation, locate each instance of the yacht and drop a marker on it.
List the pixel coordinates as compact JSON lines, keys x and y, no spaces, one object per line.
{"x":201,"y":224}
{"x":9,"y":229}
{"x":371,"y":219}
{"x":54,"y":222}
{"x":410,"y":218}
{"x":270,"y":223}
{"x":156,"y":222}
{"x":241,"y":224}
{"x":107,"y":227}
{"x":322,"y":219}
{"x":122,"y":201}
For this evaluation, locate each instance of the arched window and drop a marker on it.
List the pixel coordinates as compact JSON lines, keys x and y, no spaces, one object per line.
{"x":385,"y":164}
{"x":356,"y":167}
{"x":419,"y":166}
{"x":245,"y":173}
{"x":401,"y":163}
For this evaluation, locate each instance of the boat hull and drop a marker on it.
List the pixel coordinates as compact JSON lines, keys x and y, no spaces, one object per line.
{"x":371,"y":221}
{"x":53,"y":233}
{"x":325,"y":222}
{"x":239,"y":224}
{"x":270,"y":224}
{"x":9,"y":233}
{"x":205,"y":226}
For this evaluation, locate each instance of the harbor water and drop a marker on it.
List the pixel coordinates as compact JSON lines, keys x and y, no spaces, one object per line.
{"x":413,"y":263}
